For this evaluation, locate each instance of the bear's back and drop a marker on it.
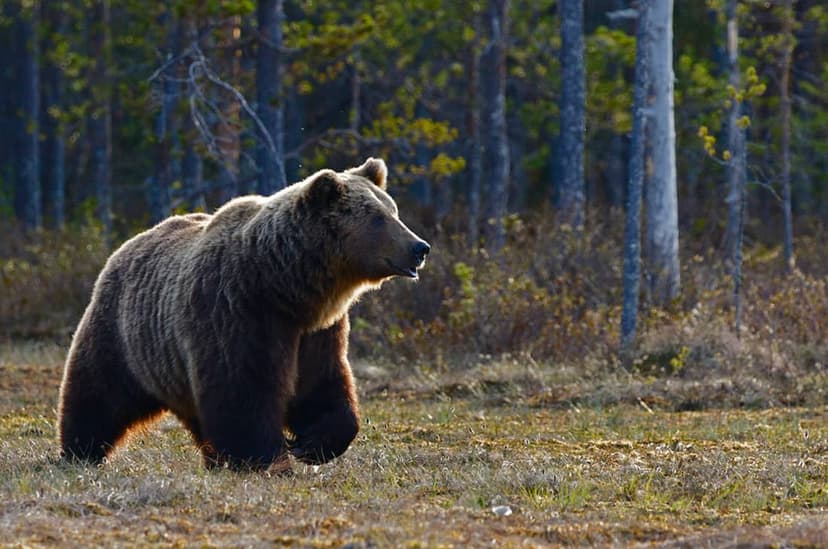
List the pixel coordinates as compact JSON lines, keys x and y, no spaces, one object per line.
{"x":155,"y":247}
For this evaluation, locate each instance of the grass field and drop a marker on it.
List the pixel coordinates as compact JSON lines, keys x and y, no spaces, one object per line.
{"x":440,"y":461}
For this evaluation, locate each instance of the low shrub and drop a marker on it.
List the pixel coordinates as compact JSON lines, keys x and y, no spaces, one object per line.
{"x":550,"y":293}
{"x":46,"y":279}
{"x":551,"y":297}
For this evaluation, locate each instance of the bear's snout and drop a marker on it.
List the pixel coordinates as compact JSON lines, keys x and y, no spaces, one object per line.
{"x":421,"y":250}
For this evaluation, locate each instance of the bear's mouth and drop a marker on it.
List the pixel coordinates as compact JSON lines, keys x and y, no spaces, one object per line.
{"x":410,"y":272}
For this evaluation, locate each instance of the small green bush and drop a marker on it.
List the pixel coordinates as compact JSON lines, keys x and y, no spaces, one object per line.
{"x":46,"y":279}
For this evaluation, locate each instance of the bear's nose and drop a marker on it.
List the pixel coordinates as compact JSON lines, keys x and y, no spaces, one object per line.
{"x":421,"y":250}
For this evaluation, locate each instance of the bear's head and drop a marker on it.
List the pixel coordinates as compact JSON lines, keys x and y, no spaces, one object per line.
{"x":376,"y":245}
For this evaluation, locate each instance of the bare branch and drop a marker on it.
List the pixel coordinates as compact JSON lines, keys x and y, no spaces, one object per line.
{"x":199,"y":77}
{"x":628,"y":13}
{"x":402,"y":144}
{"x":199,"y":82}
{"x":166,"y":65}
{"x":214,"y":78}
{"x":206,"y":186}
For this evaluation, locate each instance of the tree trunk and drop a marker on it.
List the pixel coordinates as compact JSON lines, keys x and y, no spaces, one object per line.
{"x":735,"y":138}
{"x":192,"y":176}
{"x":572,"y":105}
{"x":294,"y":130}
{"x":355,"y":116}
{"x":249,"y":134}
{"x":498,"y":145}
{"x":7,"y":74}
{"x":616,"y":168}
{"x":616,"y":172}
{"x":192,"y":165}
{"x":269,"y":148}
{"x":227,"y":120}
{"x":662,"y":199}
{"x":421,"y":186}
{"x":736,"y":199}
{"x":737,"y":257}
{"x":632,"y":230}
{"x":517,"y":153}
{"x":159,"y":192}
{"x":26,"y":129}
{"x":53,"y":156}
{"x":785,"y":105}
{"x":100,"y":120}
{"x":475,"y":145}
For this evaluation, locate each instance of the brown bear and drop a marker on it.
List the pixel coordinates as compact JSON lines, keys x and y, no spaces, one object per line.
{"x":237,"y":323}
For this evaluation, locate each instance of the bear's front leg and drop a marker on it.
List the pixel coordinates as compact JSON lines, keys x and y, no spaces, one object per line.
{"x":241,"y":408}
{"x":323,"y":415}
{"x":242,"y":427}
{"x":323,"y":431}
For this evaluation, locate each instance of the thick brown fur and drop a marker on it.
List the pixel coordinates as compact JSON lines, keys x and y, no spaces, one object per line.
{"x":237,"y":323}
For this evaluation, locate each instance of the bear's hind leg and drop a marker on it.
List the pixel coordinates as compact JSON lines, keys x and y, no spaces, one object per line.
{"x":92,"y":425}
{"x":99,"y":402}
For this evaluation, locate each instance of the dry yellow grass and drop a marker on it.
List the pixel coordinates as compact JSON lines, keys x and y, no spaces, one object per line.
{"x":434,"y":458}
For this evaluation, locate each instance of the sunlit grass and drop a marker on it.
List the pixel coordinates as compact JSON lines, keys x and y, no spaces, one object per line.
{"x":431,"y":462}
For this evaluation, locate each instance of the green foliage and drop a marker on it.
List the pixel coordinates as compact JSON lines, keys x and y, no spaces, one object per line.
{"x":751,"y":90}
{"x":412,"y":61}
{"x":610,"y":56}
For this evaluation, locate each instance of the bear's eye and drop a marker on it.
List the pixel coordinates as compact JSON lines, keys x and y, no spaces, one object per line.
{"x":377,"y":221}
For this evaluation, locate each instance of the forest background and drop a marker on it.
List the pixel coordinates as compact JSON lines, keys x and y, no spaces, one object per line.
{"x":119,"y":113}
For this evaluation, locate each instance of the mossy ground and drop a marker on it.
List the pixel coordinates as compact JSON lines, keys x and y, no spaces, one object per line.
{"x":431,"y":463}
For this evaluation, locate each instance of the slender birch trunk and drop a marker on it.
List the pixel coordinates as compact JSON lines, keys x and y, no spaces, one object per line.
{"x":785,"y":105}
{"x":498,"y":141}
{"x":662,"y":197}
{"x":26,"y":159}
{"x":100,"y":123}
{"x":632,"y":230}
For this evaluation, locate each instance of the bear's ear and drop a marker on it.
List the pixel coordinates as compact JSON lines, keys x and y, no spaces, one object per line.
{"x":324,"y":188}
{"x":374,"y":169}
